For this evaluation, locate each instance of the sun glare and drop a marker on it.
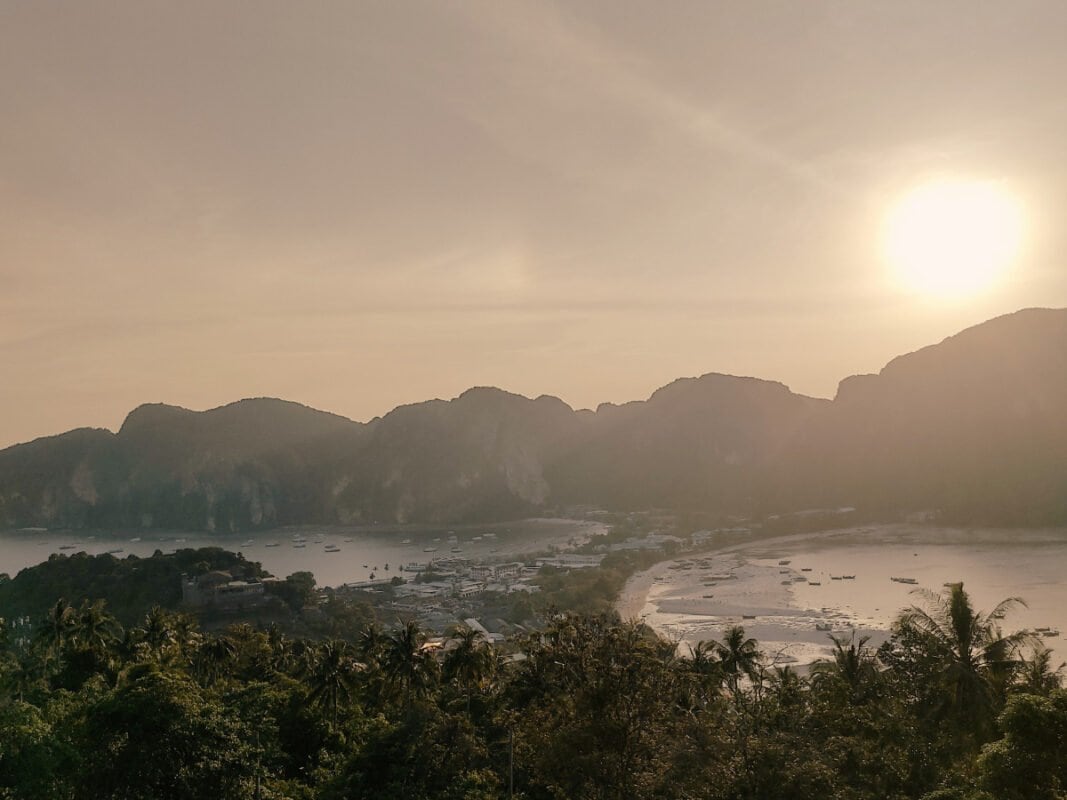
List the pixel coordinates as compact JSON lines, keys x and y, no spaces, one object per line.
{"x":953,"y":238}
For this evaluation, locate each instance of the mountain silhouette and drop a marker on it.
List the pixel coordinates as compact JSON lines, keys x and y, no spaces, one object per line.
{"x":973,"y":427}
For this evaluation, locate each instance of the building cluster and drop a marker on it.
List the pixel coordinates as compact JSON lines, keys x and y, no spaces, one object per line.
{"x":219,"y":589}
{"x":459,"y":577}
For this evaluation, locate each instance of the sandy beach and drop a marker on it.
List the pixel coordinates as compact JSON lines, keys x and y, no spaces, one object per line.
{"x":792,"y":592}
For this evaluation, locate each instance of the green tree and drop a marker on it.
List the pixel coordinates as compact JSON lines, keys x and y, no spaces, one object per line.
{"x":56,"y":629}
{"x":156,"y":638}
{"x":31,"y":757}
{"x":597,"y":712}
{"x":1030,"y":761}
{"x":159,"y":736}
{"x":973,"y":660}
{"x":1036,"y":674}
{"x":853,"y":671}
{"x":425,"y":754}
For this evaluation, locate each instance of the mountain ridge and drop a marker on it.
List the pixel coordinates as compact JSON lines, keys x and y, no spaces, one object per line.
{"x":970,"y":425}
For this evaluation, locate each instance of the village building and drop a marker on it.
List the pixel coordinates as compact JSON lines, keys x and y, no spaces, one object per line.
{"x":219,"y":589}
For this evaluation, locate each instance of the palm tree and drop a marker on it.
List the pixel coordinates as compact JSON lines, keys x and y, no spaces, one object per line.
{"x":787,"y":690}
{"x":214,"y":657}
{"x":703,"y":660}
{"x":371,"y":644}
{"x":853,"y":671}
{"x":25,"y":673}
{"x":254,"y":656}
{"x":94,"y":628}
{"x":302,"y":655}
{"x":705,"y":672}
{"x":157,"y":637}
{"x":187,"y":636}
{"x":332,"y":676}
{"x":57,"y":627}
{"x":786,"y":682}
{"x":1036,"y":675}
{"x":407,"y":667}
{"x":975,"y":660}
{"x":738,"y":657}
{"x":281,"y":651}
{"x":470,"y":661}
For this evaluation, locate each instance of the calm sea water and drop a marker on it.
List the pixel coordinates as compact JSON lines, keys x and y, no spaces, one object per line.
{"x":362,"y":551}
{"x":992,"y":564}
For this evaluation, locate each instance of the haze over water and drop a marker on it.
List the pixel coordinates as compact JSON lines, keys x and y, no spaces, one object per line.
{"x":362,"y":551}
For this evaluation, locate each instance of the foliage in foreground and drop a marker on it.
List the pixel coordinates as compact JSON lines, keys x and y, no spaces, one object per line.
{"x":587,"y":707}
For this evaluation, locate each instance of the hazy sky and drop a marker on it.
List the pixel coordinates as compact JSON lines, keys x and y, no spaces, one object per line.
{"x":357,"y":205}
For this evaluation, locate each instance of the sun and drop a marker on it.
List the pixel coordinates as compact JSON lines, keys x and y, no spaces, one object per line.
{"x":953,"y":238}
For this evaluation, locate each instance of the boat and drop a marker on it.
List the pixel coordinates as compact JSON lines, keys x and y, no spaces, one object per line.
{"x":66,"y":547}
{"x":708,"y":596}
{"x":429,"y":549}
{"x":115,"y":550}
{"x":783,"y":562}
{"x":805,"y":569}
{"x":271,"y":544}
{"x":814,"y":583}
{"x":1050,"y":632}
{"x":910,"y":581}
{"x":823,"y":626}
{"x":349,"y":539}
{"x":247,"y":543}
{"x":748,"y":616}
{"x":332,"y":548}
{"x":402,"y":541}
{"x":848,"y":577}
{"x":457,"y":549}
{"x":298,"y":545}
{"x":135,"y":539}
{"x":835,"y":577}
{"x":787,"y":583}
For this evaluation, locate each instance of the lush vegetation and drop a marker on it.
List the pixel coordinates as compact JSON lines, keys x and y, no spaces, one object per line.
{"x":130,"y":586}
{"x":587,"y":707}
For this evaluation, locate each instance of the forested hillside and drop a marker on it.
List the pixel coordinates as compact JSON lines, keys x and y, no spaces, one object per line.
{"x":971,"y":427}
{"x":587,"y":707}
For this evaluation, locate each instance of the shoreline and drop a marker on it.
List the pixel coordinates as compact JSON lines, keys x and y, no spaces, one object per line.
{"x":791,"y":607}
